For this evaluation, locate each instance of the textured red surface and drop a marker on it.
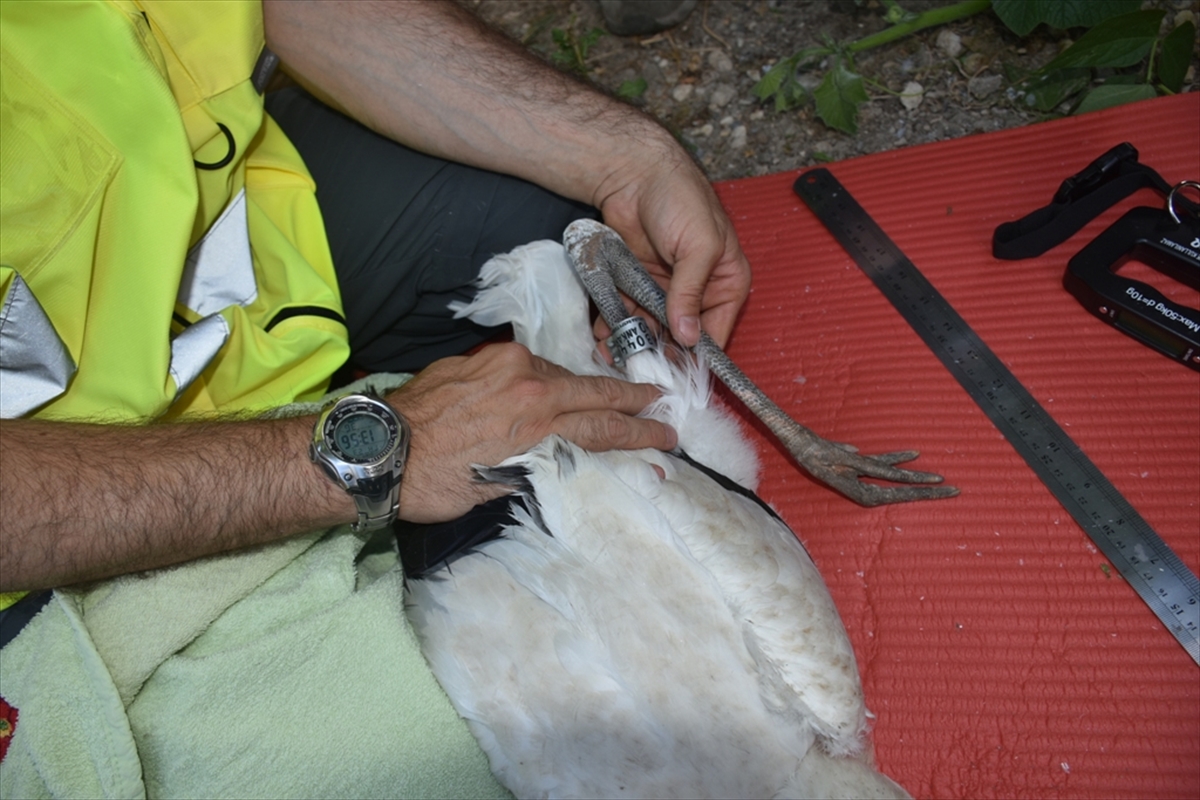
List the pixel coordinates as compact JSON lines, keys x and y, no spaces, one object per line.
{"x":999,"y":656}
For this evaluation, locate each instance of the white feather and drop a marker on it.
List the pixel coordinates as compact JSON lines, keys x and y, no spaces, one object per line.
{"x":642,"y":631}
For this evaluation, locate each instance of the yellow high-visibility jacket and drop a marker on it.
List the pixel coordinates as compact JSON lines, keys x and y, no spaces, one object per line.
{"x":161,"y":249}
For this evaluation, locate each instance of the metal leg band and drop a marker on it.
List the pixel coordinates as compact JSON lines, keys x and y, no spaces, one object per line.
{"x":631,"y":335}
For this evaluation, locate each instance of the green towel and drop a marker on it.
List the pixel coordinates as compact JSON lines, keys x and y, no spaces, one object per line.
{"x":289,"y":670}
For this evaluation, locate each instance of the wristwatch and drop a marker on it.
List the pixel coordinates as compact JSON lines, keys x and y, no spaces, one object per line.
{"x":362,"y":444}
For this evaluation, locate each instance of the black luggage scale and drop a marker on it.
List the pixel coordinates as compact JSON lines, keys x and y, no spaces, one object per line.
{"x":1167,"y":240}
{"x":1154,"y":571}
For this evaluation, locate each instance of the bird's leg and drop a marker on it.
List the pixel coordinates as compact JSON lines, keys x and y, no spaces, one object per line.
{"x":602,"y":259}
{"x":598,"y":281}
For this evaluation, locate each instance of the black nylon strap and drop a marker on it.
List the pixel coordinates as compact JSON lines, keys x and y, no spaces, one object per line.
{"x":14,"y":618}
{"x":1081,"y":198}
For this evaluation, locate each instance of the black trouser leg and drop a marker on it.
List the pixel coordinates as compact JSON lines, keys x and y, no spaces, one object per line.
{"x":409,"y":232}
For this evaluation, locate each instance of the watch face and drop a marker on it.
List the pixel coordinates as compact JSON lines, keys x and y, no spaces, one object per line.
{"x":362,"y":437}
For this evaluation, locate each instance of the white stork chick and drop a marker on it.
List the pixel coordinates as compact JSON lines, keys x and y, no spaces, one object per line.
{"x":641,"y":629}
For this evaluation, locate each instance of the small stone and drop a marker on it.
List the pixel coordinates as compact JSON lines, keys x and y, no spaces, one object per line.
{"x":737,"y":139}
{"x":950,"y":43}
{"x":652,"y":73}
{"x":809,"y":80}
{"x":756,"y":115}
{"x":682,"y":92}
{"x":726,"y":121}
{"x":974,"y":63}
{"x":983,"y":85}
{"x":719,"y":61}
{"x":1185,"y":16}
{"x":912,"y":95}
{"x":722,"y":93}
{"x":705,"y":130}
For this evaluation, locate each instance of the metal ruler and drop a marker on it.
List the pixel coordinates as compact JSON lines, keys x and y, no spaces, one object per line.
{"x":1143,"y":559}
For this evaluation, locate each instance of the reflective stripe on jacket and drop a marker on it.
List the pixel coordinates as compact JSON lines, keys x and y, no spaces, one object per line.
{"x":161,"y":248}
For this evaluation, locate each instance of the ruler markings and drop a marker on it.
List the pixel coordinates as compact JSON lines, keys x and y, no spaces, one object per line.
{"x":1154,"y":571}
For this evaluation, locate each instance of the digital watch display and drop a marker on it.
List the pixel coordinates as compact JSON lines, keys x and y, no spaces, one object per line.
{"x":362,"y":445}
{"x":362,"y":436}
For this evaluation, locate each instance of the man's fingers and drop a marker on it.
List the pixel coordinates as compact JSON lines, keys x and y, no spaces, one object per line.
{"x":718,"y":322}
{"x":684,"y":301}
{"x":709,"y":283}
{"x":592,"y":393}
{"x":726,"y":289}
{"x":612,"y":430}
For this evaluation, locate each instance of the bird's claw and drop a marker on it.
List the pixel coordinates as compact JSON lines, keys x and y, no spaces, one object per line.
{"x":842,"y":470}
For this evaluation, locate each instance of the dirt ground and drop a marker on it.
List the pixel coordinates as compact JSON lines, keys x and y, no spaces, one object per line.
{"x":699,"y":75}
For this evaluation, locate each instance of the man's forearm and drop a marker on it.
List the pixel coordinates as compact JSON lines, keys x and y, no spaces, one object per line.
{"x":82,"y":502}
{"x":432,"y":76}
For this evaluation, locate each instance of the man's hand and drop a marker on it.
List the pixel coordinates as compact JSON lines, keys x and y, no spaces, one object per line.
{"x":666,"y":211}
{"x":498,"y":403}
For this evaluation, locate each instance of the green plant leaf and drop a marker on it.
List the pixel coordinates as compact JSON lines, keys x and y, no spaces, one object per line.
{"x":1022,"y":16}
{"x":631,"y":90}
{"x":1046,"y":92}
{"x":1108,"y":96}
{"x":1118,"y":42}
{"x":780,"y":81}
{"x":790,"y":95}
{"x":589,"y":39}
{"x":1175,"y":55}
{"x":783,"y":74}
{"x":895,"y":14}
{"x":839,"y":96}
{"x":774,"y":78}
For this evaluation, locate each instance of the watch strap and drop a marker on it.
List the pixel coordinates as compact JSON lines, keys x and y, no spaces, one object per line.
{"x":375,"y":512}
{"x":377,"y":500}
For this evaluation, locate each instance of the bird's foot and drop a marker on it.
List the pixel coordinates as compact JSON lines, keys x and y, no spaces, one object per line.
{"x":842,"y":467}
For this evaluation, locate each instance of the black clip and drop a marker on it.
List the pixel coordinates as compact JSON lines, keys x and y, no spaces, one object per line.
{"x":1164,"y":239}
{"x":1079,"y":199}
{"x":1096,"y":174}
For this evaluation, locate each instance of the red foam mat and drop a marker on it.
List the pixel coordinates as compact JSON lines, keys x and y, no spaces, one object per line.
{"x":1001,"y":657}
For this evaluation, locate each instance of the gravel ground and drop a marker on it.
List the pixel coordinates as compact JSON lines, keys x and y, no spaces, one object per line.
{"x":699,"y":75}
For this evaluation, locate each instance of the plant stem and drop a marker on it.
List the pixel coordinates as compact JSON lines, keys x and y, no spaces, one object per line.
{"x":1150,"y":60}
{"x":936,"y":16}
{"x":880,"y":87}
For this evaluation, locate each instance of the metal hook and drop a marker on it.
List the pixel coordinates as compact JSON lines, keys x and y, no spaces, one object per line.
{"x":1171,"y":198}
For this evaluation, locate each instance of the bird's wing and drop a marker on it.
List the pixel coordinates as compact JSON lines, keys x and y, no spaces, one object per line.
{"x":594,"y":656}
{"x":790,"y":622}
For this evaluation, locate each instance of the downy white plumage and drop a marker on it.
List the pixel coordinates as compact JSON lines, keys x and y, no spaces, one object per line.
{"x":641,"y":629}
